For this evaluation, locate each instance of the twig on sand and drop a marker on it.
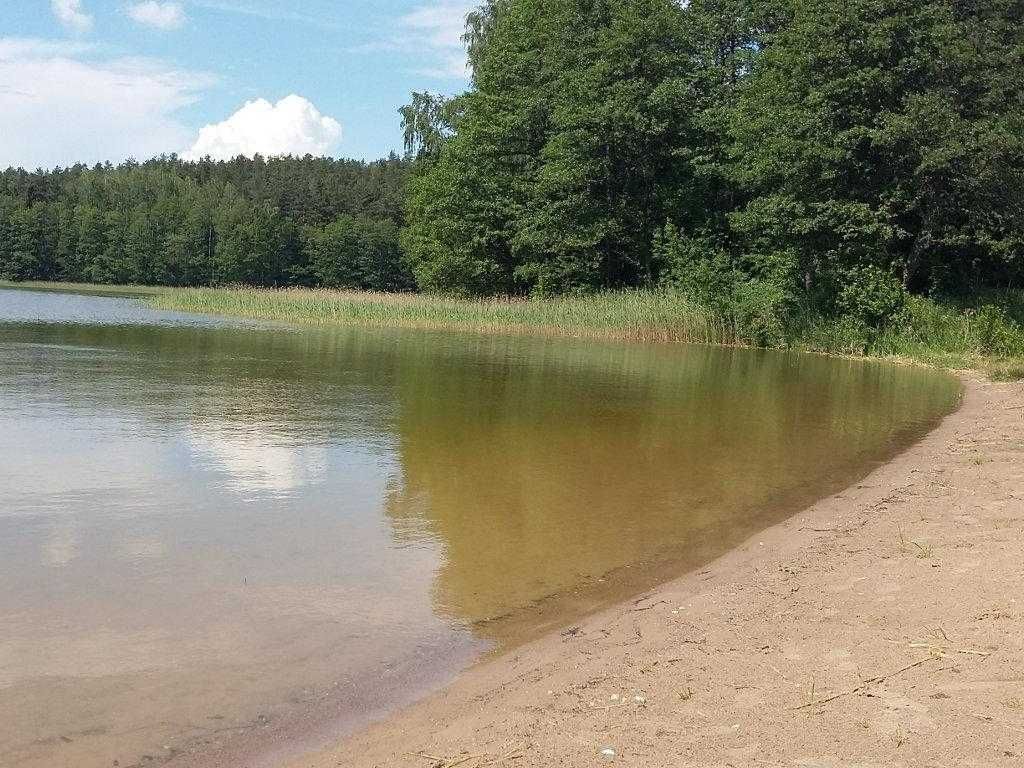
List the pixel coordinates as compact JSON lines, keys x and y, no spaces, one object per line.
{"x":648,"y":607}
{"x":515,"y":754}
{"x":462,"y":760}
{"x":994,"y":721}
{"x":941,"y":652}
{"x":866,"y":684}
{"x":427,"y":756}
{"x":437,"y":760}
{"x":451,"y":762}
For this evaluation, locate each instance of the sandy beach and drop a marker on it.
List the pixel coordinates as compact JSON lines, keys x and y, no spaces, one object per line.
{"x":884,"y":625}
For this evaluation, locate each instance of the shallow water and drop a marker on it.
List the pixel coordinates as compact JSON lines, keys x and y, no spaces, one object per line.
{"x":209,"y":525}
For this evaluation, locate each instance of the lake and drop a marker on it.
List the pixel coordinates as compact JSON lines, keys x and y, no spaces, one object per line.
{"x":224,"y":540}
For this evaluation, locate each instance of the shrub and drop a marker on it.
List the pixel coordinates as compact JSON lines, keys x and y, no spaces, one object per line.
{"x":762,"y":311}
{"x":696,"y":266}
{"x":871,"y":296}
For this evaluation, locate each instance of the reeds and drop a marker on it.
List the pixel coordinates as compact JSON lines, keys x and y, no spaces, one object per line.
{"x":934,"y":333}
{"x":636,"y":315}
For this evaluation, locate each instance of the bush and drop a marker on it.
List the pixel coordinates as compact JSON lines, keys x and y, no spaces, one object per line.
{"x":871,"y":296}
{"x":700,"y":269}
{"x":696,"y":266}
{"x":762,"y":311}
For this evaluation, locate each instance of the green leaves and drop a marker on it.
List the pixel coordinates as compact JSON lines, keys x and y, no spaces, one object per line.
{"x":567,"y":154}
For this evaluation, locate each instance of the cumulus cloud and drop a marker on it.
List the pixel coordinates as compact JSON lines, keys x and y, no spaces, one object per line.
{"x":71,"y":14}
{"x":63,"y":102}
{"x":158,"y":15}
{"x":292,"y":126}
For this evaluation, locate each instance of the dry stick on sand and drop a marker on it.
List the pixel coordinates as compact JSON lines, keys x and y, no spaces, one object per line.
{"x":515,"y":754}
{"x":452,"y":762}
{"x":647,"y":607}
{"x":865,"y":684}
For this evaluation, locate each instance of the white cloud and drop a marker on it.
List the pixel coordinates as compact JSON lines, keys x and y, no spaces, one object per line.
{"x":442,"y":25}
{"x":437,"y":31}
{"x":293,"y":126}
{"x":433,"y":35}
{"x":151,"y":13}
{"x":71,"y":14}
{"x":273,"y":11}
{"x":64,"y":102}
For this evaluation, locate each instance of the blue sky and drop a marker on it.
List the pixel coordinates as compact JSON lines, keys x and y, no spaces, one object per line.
{"x":91,"y":80}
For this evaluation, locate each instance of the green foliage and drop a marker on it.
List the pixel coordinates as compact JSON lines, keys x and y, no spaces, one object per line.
{"x":650,"y":315}
{"x":567,"y":155}
{"x":871,"y":296}
{"x":697,"y":266}
{"x":1007,"y":372}
{"x":173,"y":223}
{"x":356,"y":253}
{"x":891,"y":132}
{"x":762,"y":312}
{"x":758,"y":155}
{"x":427,"y":122}
{"x":996,"y":333}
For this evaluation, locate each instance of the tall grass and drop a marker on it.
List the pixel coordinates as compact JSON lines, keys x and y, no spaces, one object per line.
{"x":988,"y":337}
{"x":638,"y":315}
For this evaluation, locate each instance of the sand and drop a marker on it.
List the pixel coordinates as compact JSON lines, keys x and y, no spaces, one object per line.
{"x":882,"y":626}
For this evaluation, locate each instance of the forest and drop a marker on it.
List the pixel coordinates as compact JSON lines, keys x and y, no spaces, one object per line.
{"x":761,"y":156}
{"x":266,"y":222}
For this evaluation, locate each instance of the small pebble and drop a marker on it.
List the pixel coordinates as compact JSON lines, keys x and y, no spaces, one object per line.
{"x":608,"y":753}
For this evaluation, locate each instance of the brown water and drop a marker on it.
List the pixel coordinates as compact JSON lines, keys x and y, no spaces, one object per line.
{"x":212,"y":529}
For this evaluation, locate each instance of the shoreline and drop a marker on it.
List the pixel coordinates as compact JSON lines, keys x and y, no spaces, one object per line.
{"x":938,"y":336}
{"x":467,"y":732}
{"x":879,"y":624}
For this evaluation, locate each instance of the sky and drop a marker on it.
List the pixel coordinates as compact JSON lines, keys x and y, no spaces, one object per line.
{"x":96,"y":80}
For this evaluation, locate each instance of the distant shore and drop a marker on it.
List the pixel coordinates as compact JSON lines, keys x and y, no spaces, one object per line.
{"x":92,"y":289}
{"x":883,"y":625}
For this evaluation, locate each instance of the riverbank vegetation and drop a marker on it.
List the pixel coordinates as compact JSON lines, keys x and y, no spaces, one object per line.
{"x":846,"y":177}
{"x":986,"y":337}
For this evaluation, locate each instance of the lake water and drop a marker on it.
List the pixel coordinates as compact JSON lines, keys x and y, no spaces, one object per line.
{"x":219,"y":536}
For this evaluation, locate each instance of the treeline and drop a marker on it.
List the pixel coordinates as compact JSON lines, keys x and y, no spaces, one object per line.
{"x":764,"y":156}
{"x":761,"y":154}
{"x":267,"y":222}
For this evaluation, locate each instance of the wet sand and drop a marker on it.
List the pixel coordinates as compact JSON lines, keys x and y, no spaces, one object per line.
{"x":884,"y":625}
